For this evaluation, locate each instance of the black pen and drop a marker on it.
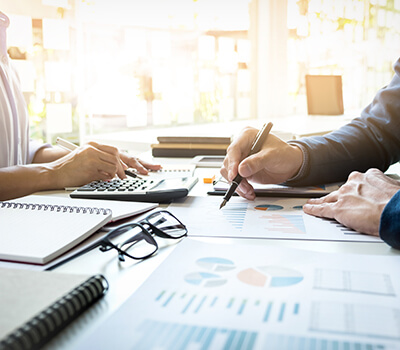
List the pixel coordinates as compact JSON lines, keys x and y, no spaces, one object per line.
{"x":255,"y":147}
{"x":132,"y":174}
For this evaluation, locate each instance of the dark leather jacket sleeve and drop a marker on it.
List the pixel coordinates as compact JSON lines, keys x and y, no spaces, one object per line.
{"x":369,"y":141}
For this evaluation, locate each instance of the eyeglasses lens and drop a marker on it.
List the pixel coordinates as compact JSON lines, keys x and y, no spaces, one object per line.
{"x":135,"y":242}
{"x":168,"y":224}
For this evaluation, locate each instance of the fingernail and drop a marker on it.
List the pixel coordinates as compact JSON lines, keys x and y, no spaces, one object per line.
{"x":251,"y":197}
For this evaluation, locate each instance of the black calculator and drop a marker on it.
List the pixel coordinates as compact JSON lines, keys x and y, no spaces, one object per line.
{"x":137,"y":190}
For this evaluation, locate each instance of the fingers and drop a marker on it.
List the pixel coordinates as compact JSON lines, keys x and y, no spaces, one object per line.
{"x":329,"y":198}
{"x":324,"y":210}
{"x":245,"y":190}
{"x":236,"y":152}
{"x":231,"y":162}
{"x":141,"y":166}
{"x":108,"y":156}
{"x":252,"y":165}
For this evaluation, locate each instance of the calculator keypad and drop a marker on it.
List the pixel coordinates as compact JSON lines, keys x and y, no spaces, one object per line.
{"x":117,"y":185}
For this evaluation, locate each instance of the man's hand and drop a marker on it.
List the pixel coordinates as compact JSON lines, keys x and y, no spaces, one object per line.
{"x":275,"y":163}
{"x":359,"y":203}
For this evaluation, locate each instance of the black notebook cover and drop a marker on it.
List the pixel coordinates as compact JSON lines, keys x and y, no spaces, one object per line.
{"x":35,"y":306}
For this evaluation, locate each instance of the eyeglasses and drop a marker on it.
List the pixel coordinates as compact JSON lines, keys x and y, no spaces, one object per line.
{"x":136,"y":241}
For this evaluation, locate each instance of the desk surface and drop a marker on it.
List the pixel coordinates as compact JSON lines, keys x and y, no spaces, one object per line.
{"x":125,"y":278}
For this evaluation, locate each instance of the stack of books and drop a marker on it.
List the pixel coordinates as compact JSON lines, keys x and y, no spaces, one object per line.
{"x":190,"y":146}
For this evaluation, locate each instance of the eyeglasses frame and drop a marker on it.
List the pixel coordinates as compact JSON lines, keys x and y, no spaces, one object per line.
{"x":106,"y":244}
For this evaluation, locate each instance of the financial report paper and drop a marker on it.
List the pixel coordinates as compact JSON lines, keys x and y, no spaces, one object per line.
{"x":235,"y":296}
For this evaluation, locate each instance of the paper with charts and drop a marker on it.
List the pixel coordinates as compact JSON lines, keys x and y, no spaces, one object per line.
{"x":210,"y":296}
{"x":271,"y":217}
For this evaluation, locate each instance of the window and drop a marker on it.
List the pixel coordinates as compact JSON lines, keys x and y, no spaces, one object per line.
{"x":358,"y":39}
{"x":94,"y":67}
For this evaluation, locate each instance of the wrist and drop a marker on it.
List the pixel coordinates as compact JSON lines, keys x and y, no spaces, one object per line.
{"x":297,"y":159}
{"x":300,"y":161}
{"x":48,"y":176}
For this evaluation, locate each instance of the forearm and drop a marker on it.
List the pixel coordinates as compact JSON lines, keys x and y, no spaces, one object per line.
{"x":47,"y":155}
{"x":18,"y":181}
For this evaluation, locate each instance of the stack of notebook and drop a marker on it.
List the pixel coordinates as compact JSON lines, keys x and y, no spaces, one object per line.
{"x":190,"y":146}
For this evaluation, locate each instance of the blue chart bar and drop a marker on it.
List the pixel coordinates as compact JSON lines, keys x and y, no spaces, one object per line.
{"x":282,"y":312}
{"x":160,"y":295}
{"x":188,"y":304}
{"x":154,"y":334}
{"x":231,"y":303}
{"x":268,"y":312}
{"x":236,"y":214}
{"x":288,"y":342}
{"x":200,"y":305}
{"x":241,"y":309}
{"x":169,"y":299}
{"x":214,"y":301}
{"x":296,"y":308}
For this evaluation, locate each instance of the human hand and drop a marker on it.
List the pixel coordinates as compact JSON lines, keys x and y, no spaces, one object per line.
{"x":277,"y":162}
{"x":141,"y":166}
{"x":359,"y":203}
{"x":90,"y":162}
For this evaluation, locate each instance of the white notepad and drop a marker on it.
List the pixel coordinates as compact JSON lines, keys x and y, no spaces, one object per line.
{"x":120,"y":209}
{"x":38,"y":233}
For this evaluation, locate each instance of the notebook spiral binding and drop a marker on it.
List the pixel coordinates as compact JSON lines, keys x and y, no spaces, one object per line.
{"x":41,"y":328}
{"x":55,"y":208}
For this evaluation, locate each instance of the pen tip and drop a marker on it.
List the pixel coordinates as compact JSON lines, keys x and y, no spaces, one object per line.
{"x":222,"y":204}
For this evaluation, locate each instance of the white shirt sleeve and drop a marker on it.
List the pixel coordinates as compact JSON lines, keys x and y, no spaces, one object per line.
{"x":35,"y":146}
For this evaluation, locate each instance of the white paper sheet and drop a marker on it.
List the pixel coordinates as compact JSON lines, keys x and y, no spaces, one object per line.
{"x":210,"y":296}
{"x":268,"y":217}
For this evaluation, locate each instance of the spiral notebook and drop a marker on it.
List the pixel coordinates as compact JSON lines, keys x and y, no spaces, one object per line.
{"x":38,"y":233}
{"x":35,"y":306}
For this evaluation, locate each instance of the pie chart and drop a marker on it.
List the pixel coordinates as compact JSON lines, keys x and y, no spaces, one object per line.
{"x":268,"y":207}
{"x":216,"y":264}
{"x":205,"y":279}
{"x":270,"y":276}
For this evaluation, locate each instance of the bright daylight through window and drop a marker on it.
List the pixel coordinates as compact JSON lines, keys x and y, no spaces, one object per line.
{"x":88,"y":69}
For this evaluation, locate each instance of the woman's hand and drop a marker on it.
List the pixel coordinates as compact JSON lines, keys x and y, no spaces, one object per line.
{"x":141,"y":166}
{"x":92,"y":162}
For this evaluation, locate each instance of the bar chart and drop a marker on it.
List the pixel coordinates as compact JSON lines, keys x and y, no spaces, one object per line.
{"x":266,"y":310}
{"x":284,"y":223}
{"x":152,"y":334}
{"x":164,"y":335}
{"x":235,"y":214}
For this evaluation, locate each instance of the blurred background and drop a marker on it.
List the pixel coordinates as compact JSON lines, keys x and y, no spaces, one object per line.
{"x":91,"y":67}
